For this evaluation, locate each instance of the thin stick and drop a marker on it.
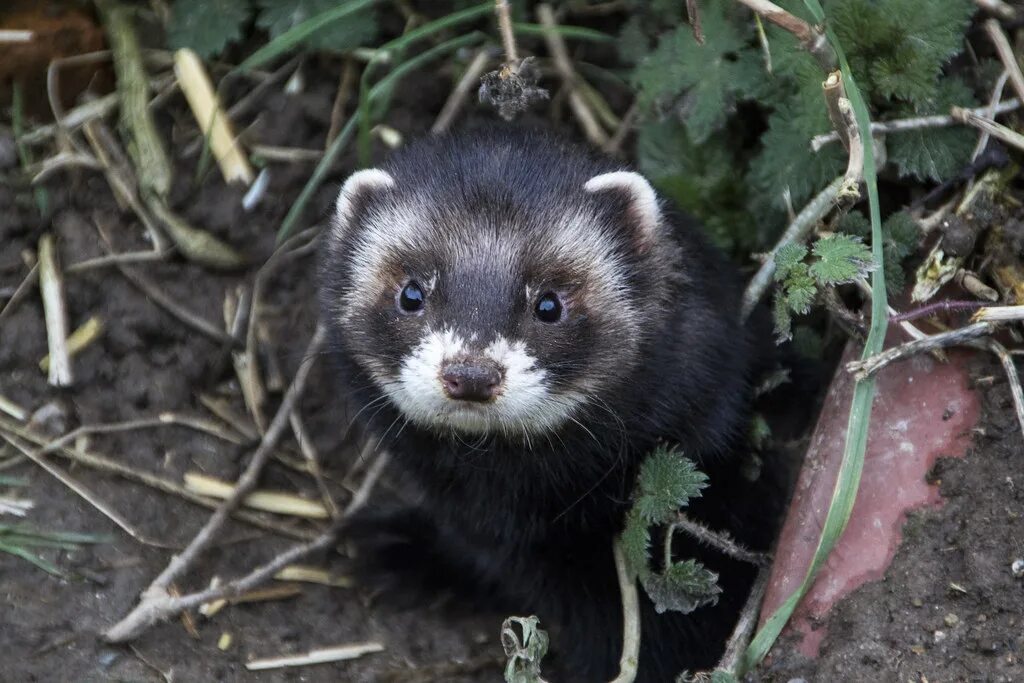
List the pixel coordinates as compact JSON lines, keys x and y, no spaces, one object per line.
{"x":811,"y":37}
{"x":624,"y":129}
{"x":560,"y":55}
{"x":147,"y":612}
{"x":508,"y":36}
{"x":745,"y":625}
{"x":157,"y":605}
{"x":863,"y":369}
{"x":998,"y":314}
{"x":916,"y":123}
{"x":719,"y":541}
{"x":51,"y":284}
{"x":115,"y":259}
{"x":21,"y":292}
{"x":1006,"y":56}
{"x":341,"y":98}
{"x":163,"y":420}
{"x":798,"y":230}
{"x":313,"y":459}
{"x":458,"y":97}
{"x":1011,"y":376}
{"x":996,"y":130}
{"x":630,"y":619}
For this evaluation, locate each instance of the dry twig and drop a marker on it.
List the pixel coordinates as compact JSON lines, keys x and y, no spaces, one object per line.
{"x":1012,"y":377}
{"x":154,"y":604}
{"x":466,"y":85}
{"x":863,"y":369}
{"x":51,"y":285}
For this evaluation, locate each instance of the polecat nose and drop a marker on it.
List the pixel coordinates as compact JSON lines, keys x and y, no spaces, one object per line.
{"x":471,"y":380}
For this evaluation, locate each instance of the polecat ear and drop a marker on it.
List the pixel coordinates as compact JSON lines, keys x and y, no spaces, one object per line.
{"x":358,"y":186}
{"x":643,"y":202}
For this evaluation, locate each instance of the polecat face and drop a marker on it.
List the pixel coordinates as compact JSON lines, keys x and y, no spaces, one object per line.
{"x":477,"y":313}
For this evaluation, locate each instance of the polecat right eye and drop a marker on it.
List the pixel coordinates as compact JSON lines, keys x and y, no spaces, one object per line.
{"x":411,"y":299}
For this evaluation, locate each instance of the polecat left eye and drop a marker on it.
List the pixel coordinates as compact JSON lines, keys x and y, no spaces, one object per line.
{"x":548,"y":308}
{"x":411,"y":299}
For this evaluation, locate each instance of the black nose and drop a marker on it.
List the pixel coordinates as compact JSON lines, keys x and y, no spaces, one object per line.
{"x":471,"y":380}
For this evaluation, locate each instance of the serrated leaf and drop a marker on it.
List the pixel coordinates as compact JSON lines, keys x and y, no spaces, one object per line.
{"x":666,"y":483}
{"x":636,"y":543}
{"x":206,"y":26}
{"x":787,"y":259}
{"x":800,"y":290}
{"x":708,"y":78}
{"x":841,"y":259}
{"x":934,"y":153}
{"x":633,"y":44}
{"x":682,"y":587}
{"x":278,"y":16}
{"x":900,"y":45}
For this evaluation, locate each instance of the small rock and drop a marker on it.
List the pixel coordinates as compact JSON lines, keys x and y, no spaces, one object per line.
{"x":1018,"y":567}
{"x":951,"y":620}
{"x":797,"y":680}
{"x":939,"y":636}
{"x":917,"y":602}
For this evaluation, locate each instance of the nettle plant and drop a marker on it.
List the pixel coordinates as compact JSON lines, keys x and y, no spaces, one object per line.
{"x":209,"y":26}
{"x":728,"y":123}
{"x":666,"y":484}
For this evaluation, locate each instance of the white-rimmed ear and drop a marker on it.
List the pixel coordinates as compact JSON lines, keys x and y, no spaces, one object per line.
{"x":643,"y":201}
{"x":357,"y":187}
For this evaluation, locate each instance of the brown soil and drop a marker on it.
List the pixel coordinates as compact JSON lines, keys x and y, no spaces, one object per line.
{"x":949,"y":608}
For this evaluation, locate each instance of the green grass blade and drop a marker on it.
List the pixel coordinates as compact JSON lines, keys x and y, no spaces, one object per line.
{"x":45,"y":565}
{"x":419,"y":60}
{"x":291,"y":38}
{"x":845,"y":492}
{"x":42,"y":197}
{"x":577,"y":32}
{"x":13,"y":481}
{"x":396,"y":46}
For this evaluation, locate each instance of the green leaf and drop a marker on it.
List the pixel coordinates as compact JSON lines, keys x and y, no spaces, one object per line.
{"x":787,"y":259}
{"x":666,"y":483}
{"x":712,"y":76}
{"x":841,"y":259}
{"x":280,"y":16}
{"x":206,"y":26}
{"x":900,"y":46}
{"x":720,"y":676}
{"x":800,"y":290}
{"x":934,"y":153}
{"x":682,"y":587}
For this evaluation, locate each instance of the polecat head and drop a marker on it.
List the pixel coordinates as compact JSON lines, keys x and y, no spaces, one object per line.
{"x":495,"y":283}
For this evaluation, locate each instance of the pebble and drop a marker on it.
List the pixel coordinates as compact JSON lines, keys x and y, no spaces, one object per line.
{"x":951,"y":620}
{"x":1017,"y":567}
{"x":939,"y":636}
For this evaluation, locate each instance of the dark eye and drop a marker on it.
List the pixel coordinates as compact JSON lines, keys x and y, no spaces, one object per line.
{"x":410,"y":299}
{"x":548,"y":308}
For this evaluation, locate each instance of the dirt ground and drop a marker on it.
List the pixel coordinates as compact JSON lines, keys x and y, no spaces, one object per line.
{"x":952,"y":575}
{"x":950,"y":608}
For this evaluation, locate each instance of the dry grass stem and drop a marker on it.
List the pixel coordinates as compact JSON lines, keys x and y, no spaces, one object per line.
{"x":213,"y":121}
{"x":467,"y":85}
{"x":268,"y":501}
{"x":288,"y":155}
{"x":745,"y":625}
{"x":312,"y":457}
{"x":998,"y":314}
{"x":508,"y":36}
{"x":115,"y":259}
{"x":863,"y":369}
{"x":563,"y":64}
{"x":319,"y":656}
{"x":811,"y":38}
{"x":1012,"y":377}
{"x":306,"y":574}
{"x":51,"y":285}
{"x":237,"y":421}
{"x":22,"y":291}
{"x":983,"y":123}
{"x":86,"y":334}
{"x":1006,"y":56}
{"x":47,"y":167}
{"x":349,"y":72}
{"x":999,"y":8}
{"x":916,"y":123}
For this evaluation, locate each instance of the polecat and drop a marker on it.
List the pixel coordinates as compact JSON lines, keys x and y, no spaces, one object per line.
{"x":520,"y":322}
